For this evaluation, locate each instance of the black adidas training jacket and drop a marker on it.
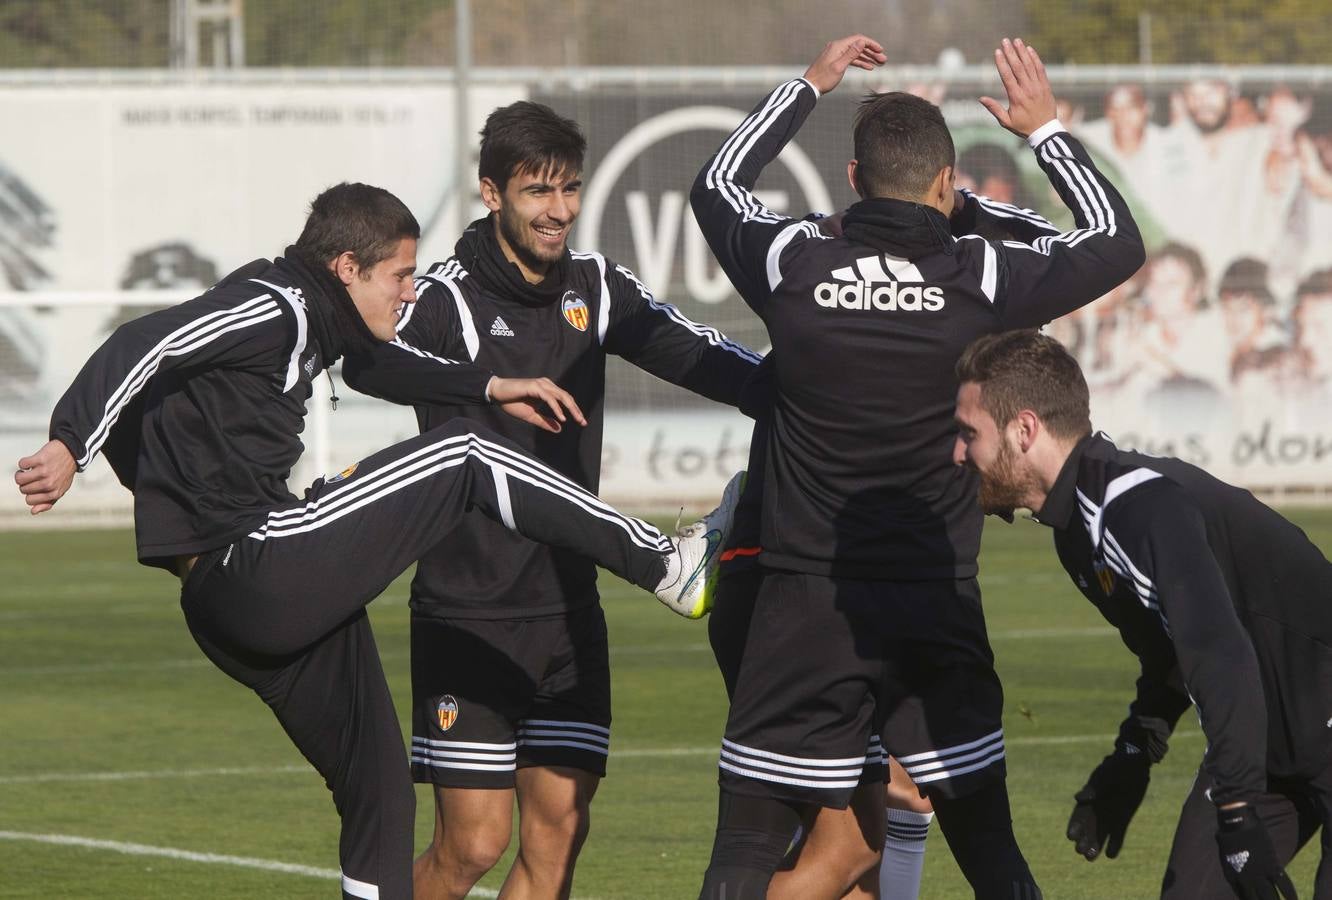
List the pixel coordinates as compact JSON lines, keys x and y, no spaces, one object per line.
{"x":866,"y":329}
{"x":199,"y":407}
{"x":1226,"y":604}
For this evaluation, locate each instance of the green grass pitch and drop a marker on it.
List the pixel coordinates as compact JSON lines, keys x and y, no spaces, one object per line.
{"x":129,"y":766}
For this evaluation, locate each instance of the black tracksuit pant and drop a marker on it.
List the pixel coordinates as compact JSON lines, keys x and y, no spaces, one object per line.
{"x":1292,"y":809}
{"x":282,"y":610}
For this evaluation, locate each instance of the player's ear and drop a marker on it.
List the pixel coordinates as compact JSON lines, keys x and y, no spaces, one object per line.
{"x":1029,"y":426}
{"x":490,"y":194}
{"x":345,"y":266}
{"x":941,"y":190}
{"x":851,"y":179}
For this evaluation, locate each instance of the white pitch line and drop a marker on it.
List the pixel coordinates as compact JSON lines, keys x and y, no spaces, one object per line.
{"x":219,"y":859}
{"x":41,"y":777}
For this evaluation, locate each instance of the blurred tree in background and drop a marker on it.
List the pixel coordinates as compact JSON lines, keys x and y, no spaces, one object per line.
{"x":286,"y":33}
{"x":62,"y":34}
{"x":1288,"y":32}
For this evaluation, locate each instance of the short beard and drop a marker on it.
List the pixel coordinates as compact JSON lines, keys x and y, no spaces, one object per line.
{"x":1004,"y":489}
{"x":1214,"y":126}
{"x":522,"y":251}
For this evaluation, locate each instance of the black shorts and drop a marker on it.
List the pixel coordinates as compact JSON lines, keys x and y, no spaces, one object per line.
{"x":728,"y":623}
{"x":491,"y":696}
{"x":829,"y":663}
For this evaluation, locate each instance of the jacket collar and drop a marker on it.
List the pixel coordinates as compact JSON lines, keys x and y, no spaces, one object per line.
{"x":899,"y":227}
{"x":481,"y":255}
{"x":335,"y":323}
{"x":1062,"y":502}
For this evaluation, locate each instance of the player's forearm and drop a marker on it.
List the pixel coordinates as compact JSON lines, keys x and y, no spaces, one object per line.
{"x":1099,"y":210}
{"x":400,"y":373}
{"x":660,"y":339}
{"x":759,"y":138}
{"x":738,"y":228}
{"x":982,"y":215}
{"x":709,"y":371}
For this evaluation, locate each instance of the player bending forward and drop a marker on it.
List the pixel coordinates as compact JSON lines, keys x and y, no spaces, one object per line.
{"x":1227,"y":606}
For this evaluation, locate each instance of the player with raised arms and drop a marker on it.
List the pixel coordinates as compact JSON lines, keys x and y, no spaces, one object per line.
{"x":868,"y":618}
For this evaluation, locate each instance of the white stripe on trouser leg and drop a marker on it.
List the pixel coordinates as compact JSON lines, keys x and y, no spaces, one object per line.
{"x":502,"y":496}
{"x":359,"y":888}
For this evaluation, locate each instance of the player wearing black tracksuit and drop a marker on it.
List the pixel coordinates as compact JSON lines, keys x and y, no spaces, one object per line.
{"x":1228,"y":607}
{"x":199,"y":409}
{"x":485,"y":591}
{"x":869,"y":535}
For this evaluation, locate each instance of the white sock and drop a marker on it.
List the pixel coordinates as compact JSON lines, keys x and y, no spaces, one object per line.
{"x":903,"y":854}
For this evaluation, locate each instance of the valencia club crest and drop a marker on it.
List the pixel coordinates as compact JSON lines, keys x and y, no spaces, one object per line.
{"x":446,"y":710}
{"x":575,"y":310}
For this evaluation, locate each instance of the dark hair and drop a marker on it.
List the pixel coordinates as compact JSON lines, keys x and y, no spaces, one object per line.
{"x":1188,"y":256}
{"x":365,"y":220}
{"x":901,"y":143}
{"x":527,"y":137}
{"x":1019,"y":370}
{"x":987,"y":160}
{"x":1246,"y":275}
{"x":1315,"y":284}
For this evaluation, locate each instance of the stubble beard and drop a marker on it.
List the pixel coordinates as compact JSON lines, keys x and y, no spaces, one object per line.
{"x":1004,"y":488}
{"x":529,"y":254}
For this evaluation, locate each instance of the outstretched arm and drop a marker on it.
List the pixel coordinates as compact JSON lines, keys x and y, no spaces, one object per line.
{"x":1053,"y":275}
{"x":444,"y":373}
{"x":746,"y":237}
{"x":660,"y":339}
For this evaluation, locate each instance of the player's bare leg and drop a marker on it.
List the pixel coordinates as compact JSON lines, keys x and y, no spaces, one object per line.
{"x":840,"y":855}
{"x":472,"y":828}
{"x":909,"y":816}
{"x":553,"y":821}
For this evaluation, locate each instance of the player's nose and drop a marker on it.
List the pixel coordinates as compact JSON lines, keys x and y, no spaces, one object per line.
{"x":959,"y":451}
{"x":560,"y":209}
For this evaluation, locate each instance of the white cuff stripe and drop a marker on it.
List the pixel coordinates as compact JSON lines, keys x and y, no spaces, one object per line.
{"x":1037,"y":137}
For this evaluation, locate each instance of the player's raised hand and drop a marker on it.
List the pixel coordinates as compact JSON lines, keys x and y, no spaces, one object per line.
{"x":44,"y":477}
{"x":826,"y":71}
{"x":1031,"y":102}
{"x":537,"y":401}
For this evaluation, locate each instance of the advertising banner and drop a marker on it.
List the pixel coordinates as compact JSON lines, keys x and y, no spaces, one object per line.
{"x":1218,"y":351}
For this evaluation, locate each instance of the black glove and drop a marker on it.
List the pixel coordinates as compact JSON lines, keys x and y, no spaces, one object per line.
{"x":1107,"y":803}
{"x":1248,"y":859}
